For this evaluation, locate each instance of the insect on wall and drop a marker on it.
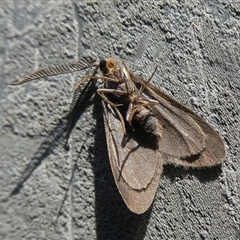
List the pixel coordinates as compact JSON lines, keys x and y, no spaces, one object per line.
{"x":145,"y":128}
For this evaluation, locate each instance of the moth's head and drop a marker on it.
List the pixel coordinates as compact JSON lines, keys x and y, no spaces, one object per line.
{"x":108,"y":65}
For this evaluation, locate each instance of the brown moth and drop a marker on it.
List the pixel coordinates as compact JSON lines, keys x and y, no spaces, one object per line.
{"x":145,"y":128}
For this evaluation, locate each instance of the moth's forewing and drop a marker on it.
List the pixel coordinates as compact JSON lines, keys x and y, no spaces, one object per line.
{"x":211,"y":147}
{"x":135,"y":160}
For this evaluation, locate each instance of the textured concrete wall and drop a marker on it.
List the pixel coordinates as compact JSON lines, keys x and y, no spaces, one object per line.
{"x":43,"y":195}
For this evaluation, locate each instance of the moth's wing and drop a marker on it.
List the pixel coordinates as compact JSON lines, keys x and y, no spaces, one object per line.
{"x":81,"y":64}
{"x":213,"y":149}
{"x":181,"y":136}
{"x":136,"y":167}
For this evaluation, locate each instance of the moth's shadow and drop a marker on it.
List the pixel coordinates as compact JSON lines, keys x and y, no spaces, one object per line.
{"x":54,"y":138}
{"x":113,"y":219}
{"x":204,"y":174}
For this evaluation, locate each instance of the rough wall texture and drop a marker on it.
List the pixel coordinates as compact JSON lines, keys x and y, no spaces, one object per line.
{"x":50,"y":193}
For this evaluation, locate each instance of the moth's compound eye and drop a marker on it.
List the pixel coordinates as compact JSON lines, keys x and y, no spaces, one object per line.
{"x":102,"y":64}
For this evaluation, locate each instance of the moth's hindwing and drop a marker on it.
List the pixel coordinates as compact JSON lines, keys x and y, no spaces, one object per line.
{"x":196,"y":143}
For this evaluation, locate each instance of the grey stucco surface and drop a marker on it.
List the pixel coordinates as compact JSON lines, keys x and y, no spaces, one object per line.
{"x":50,"y":193}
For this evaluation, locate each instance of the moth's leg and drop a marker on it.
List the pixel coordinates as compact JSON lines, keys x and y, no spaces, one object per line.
{"x":146,"y":83}
{"x":91,"y":77}
{"x":142,"y":102}
{"x":77,"y":96}
{"x":105,"y":99}
{"x":73,"y":113}
{"x":114,"y":91}
{"x":135,"y":108}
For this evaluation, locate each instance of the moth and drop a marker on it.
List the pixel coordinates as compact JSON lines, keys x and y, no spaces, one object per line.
{"x":145,"y":129}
